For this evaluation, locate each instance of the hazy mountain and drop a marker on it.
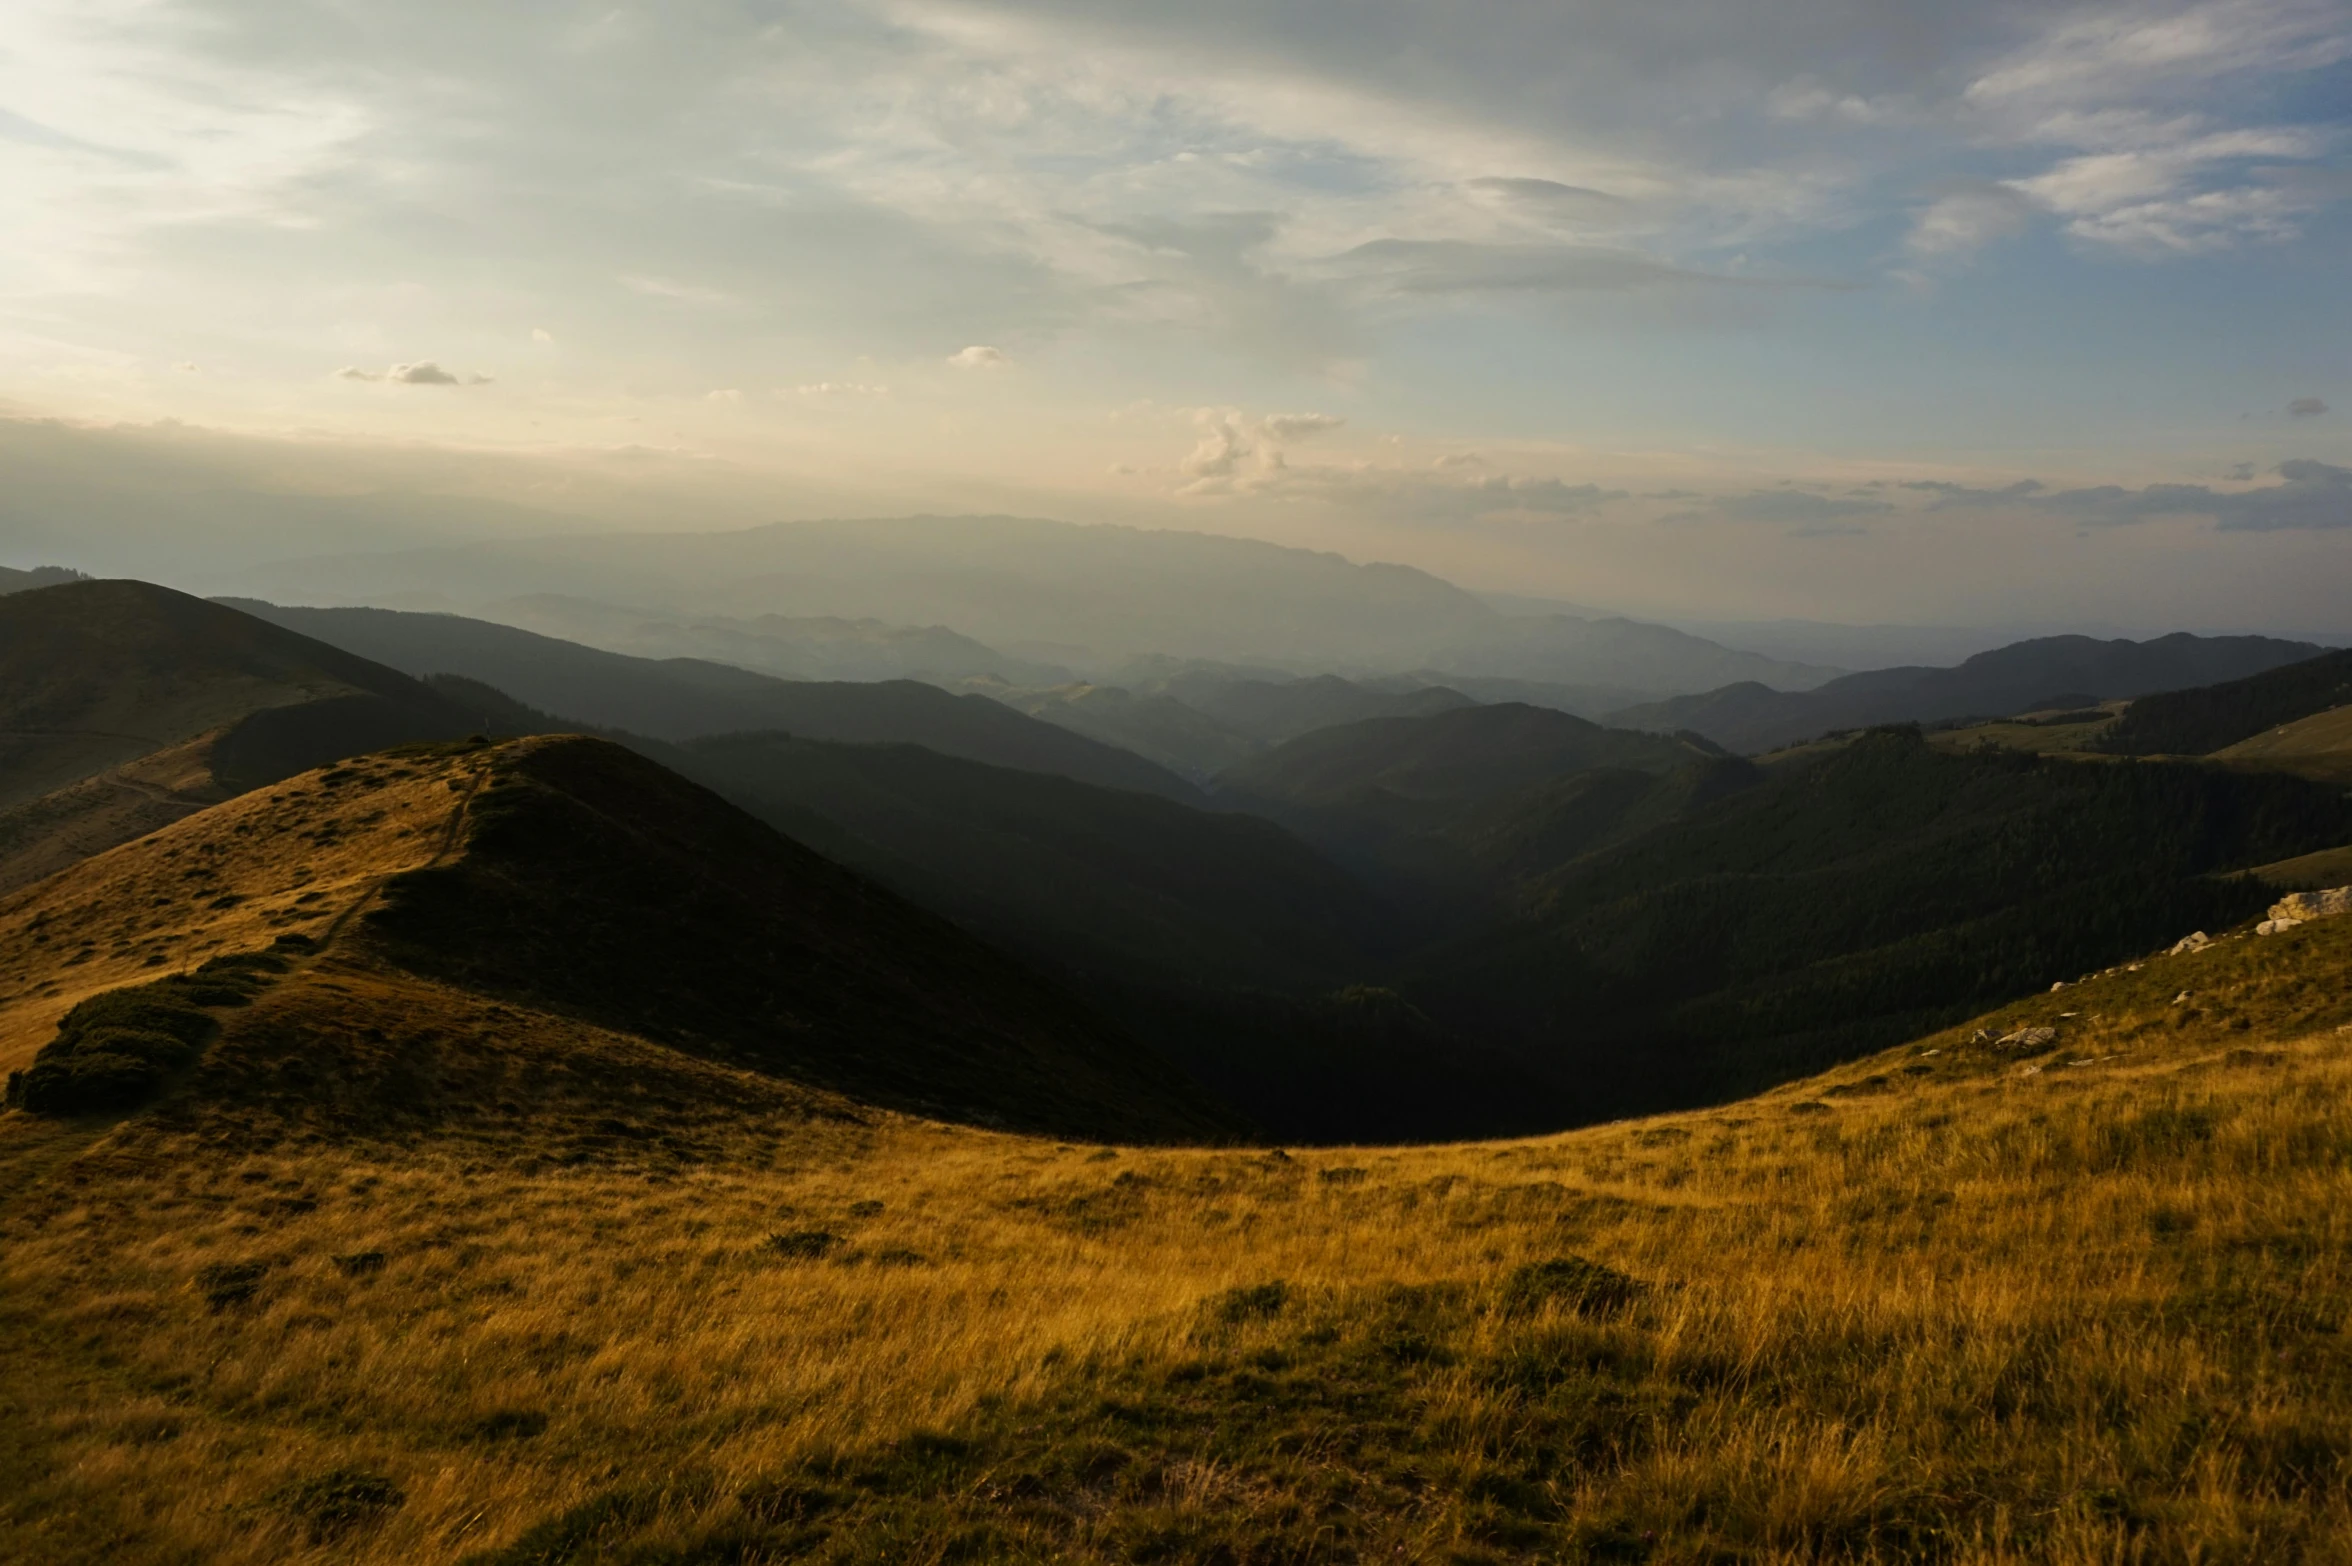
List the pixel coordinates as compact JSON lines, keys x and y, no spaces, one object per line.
{"x":1091,"y":598}
{"x":1274,"y":711}
{"x":124,"y":706}
{"x":1569,"y":650}
{"x":2196,"y":721}
{"x":681,"y":698}
{"x":1158,"y":728}
{"x":1003,"y":580}
{"x":2026,"y":676}
{"x":809,"y":648}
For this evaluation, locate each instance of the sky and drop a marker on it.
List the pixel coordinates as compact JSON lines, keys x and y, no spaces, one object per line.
{"x":1862,"y":310}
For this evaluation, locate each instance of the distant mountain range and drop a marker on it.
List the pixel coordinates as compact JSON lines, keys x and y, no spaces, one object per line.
{"x":2049,"y":672}
{"x":1086,"y":598}
{"x":1396,"y":912}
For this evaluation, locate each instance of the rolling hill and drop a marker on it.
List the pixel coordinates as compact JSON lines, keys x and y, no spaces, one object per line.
{"x":1879,"y":890}
{"x":124,"y":705}
{"x":682,"y":698}
{"x":556,"y":888}
{"x":1385,"y":795}
{"x":2061,"y":1283}
{"x":2049,"y":671}
{"x":2198,"y":722}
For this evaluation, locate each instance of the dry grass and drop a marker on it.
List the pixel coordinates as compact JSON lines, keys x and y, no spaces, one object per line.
{"x":1956,"y":1302}
{"x":285,"y":859}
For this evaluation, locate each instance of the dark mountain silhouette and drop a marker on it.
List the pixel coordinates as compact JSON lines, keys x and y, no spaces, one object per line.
{"x":2198,"y":721}
{"x":682,"y":698}
{"x":2025,"y":676}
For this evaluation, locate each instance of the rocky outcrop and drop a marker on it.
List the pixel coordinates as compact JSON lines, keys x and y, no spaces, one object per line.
{"x":2303,"y":907}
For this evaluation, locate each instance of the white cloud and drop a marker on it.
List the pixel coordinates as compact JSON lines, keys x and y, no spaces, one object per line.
{"x":422,"y":373}
{"x":1968,"y":219}
{"x":977,"y":357}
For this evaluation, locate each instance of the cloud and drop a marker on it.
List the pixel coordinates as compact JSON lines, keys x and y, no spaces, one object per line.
{"x":2306,"y":408}
{"x":1455,"y":266}
{"x":540,"y":334}
{"x":424,"y":372}
{"x":977,"y":357}
{"x":1968,"y":218}
{"x":670,"y":288}
{"x":1794,"y":505}
{"x":1298,"y":426}
{"x":2310,"y":497}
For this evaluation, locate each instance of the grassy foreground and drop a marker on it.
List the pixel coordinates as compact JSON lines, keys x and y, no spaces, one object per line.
{"x":2079,"y":1300}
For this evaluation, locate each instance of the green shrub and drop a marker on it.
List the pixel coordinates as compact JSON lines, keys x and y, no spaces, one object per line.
{"x":114,"y":1051}
{"x":1586,"y":1287}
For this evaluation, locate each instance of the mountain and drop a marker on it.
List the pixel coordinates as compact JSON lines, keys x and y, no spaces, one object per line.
{"x":1566,"y":649}
{"x":1156,"y":727}
{"x":1089,"y":599}
{"x":1009,"y":582}
{"x":2050,"y":671}
{"x":1236,"y":951}
{"x":2319,"y":746}
{"x":1463,"y":755}
{"x":1879,"y":890}
{"x":2223,"y":713}
{"x":681,"y":698}
{"x":124,"y":706}
{"x":1272,"y":712}
{"x":1403,"y":800}
{"x":559,"y":884}
{"x":1200,"y":721}
{"x":818,"y":647}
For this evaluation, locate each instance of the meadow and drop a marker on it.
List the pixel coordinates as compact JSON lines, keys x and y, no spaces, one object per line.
{"x":2074,"y":1299}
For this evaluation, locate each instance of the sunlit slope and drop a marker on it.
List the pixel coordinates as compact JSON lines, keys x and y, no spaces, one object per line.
{"x":124,"y":706}
{"x":2319,"y":746}
{"x":2070,"y":1297}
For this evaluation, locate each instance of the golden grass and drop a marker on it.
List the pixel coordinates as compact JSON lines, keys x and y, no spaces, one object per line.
{"x":284,"y":859}
{"x":2085,"y":1302}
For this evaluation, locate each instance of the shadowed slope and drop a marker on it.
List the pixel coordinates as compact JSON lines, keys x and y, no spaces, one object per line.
{"x":684,"y":698}
{"x":598,"y":884}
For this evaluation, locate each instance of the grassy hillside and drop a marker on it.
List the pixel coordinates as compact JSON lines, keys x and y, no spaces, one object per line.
{"x":1875,"y":892}
{"x":683,"y":698}
{"x":2074,"y":1300}
{"x":2319,"y":746}
{"x":2198,"y":722}
{"x":569,"y":878}
{"x":124,"y":706}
